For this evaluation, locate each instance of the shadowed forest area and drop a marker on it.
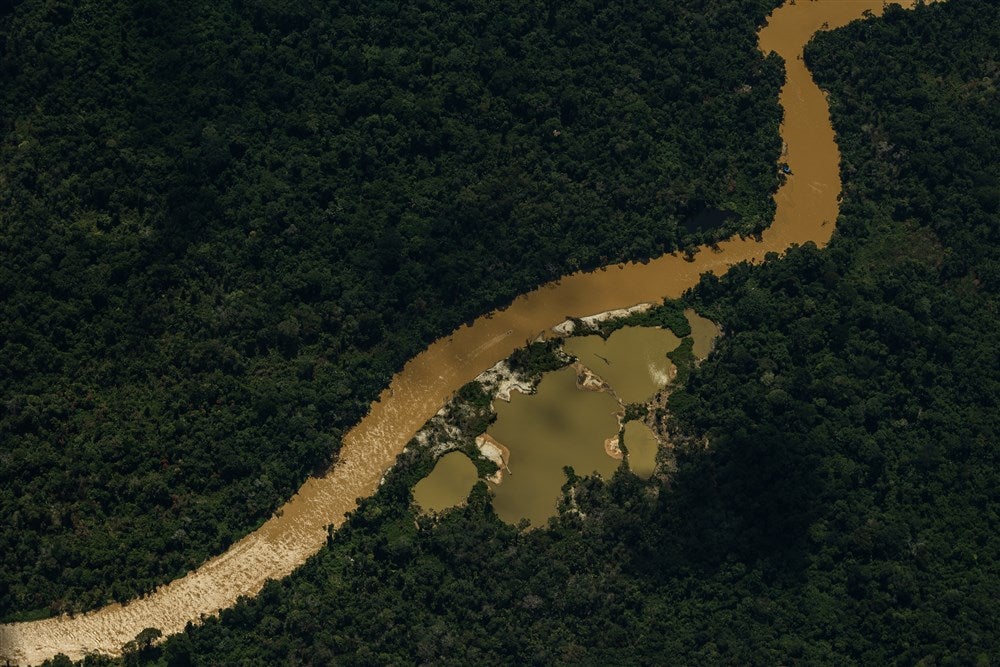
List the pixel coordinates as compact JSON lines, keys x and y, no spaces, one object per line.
{"x":847,"y":510}
{"x":223,"y":226}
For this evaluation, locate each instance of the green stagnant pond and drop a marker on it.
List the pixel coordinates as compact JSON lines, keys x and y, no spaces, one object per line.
{"x":571,"y":421}
{"x":559,"y":425}
{"x":633,"y":360}
{"x":641,"y":444}
{"x":448,"y":485}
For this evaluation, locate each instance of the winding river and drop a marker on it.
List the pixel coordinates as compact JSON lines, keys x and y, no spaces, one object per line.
{"x":806,"y":210}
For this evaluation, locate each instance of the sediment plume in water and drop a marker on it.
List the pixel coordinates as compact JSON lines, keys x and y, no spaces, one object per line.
{"x":806,"y":211}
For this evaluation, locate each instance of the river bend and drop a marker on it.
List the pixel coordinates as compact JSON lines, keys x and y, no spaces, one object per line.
{"x":807,"y":207}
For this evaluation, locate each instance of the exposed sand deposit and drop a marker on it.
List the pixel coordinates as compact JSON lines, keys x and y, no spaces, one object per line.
{"x":613,"y":448}
{"x":499,"y":380}
{"x":807,"y":209}
{"x":494,"y":451}
{"x":567,"y":327}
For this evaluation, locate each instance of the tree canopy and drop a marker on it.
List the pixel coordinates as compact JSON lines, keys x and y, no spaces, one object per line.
{"x":224,"y":225}
{"x":847,"y":509}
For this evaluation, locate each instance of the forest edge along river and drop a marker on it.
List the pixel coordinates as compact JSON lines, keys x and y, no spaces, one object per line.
{"x":807,"y":207}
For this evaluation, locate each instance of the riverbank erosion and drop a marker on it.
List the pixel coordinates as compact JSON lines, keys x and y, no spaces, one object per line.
{"x":806,"y":210}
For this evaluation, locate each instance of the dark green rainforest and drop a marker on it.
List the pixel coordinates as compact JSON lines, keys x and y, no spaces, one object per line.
{"x":223,"y":226}
{"x":848,"y":509}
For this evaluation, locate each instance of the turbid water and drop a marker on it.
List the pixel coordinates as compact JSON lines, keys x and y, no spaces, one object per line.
{"x":806,"y":211}
{"x":448,"y":484}
{"x":641,"y":445}
{"x":703,"y":332}
{"x":633,"y":360}
{"x":559,"y":425}
{"x":565,"y":424}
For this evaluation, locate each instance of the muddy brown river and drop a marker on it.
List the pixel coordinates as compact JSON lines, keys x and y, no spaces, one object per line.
{"x":807,"y":209}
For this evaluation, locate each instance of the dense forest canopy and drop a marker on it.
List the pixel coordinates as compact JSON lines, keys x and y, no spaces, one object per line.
{"x":224,"y":225}
{"x":848,"y":509}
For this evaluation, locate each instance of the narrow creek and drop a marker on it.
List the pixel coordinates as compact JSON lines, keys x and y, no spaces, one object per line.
{"x":806,"y":210}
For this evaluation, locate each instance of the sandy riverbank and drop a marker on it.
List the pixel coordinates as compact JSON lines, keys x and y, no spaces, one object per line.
{"x":567,"y":327}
